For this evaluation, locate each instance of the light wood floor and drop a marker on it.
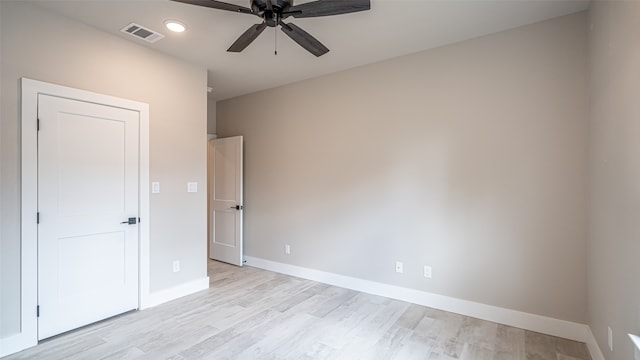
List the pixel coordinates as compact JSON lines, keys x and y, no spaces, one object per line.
{"x":254,"y":314}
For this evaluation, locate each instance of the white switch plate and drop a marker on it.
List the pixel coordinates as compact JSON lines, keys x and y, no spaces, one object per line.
{"x":399,"y":267}
{"x":155,"y":187}
{"x":427,"y":271}
{"x":192,"y":187}
{"x":287,"y":249}
{"x":176,"y":265}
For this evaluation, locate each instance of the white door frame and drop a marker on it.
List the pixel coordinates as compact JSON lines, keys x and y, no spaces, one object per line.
{"x":28,"y":335}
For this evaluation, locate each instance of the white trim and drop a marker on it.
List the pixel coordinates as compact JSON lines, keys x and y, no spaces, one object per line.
{"x":163,"y":296}
{"x":14,"y":343}
{"x":532,"y":322}
{"x":29,"y":202}
{"x":636,"y":342}
{"x":145,"y":211}
{"x":28,"y":335}
{"x":592,"y":345}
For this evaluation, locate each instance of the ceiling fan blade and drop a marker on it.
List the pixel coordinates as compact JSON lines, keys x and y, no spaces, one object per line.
{"x":303,"y":39}
{"x":217,"y":5}
{"x":327,"y":8}
{"x":247,"y":37}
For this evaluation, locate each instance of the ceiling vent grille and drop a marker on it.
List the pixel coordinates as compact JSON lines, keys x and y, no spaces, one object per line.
{"x":142,"y":32}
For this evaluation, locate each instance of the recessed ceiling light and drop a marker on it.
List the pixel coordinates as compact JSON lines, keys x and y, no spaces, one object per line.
{"x":175,"y":26}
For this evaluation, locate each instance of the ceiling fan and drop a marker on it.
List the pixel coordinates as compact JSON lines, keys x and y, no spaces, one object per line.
{"x":273,"y":12}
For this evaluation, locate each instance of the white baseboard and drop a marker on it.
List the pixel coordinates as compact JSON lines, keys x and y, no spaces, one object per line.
{"x":519,"y":319}
{"x":14,"y":343}
{"x":163,"y":296}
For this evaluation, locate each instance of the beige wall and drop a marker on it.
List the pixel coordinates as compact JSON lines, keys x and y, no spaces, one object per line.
{"x":471,"y":158}
{"x":614,"y":241}
{"x":211,"y":116}
{"x":46,"y":47}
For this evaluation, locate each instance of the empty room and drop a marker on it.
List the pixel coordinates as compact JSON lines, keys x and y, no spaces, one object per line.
{"x":355,"y":179}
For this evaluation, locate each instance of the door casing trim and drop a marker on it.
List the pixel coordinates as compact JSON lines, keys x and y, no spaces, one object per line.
{"x":28,"y":335}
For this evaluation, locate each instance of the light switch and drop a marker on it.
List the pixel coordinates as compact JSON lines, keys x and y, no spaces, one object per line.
{"x":155,"y":187}
{"x":192,"y":187}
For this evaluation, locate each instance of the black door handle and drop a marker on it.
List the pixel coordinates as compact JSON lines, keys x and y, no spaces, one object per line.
{"x":130,"y":221}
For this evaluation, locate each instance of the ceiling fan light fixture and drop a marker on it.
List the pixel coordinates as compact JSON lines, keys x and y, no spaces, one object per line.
{"x":175,"y":26}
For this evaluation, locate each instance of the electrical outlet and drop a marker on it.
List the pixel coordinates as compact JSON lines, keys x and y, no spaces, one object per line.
{"x":287,"y":249}
{"x":610,"y":338}
{"x":427,"y":271}
{"x":176,"y":265}
{"x":399,"y":267}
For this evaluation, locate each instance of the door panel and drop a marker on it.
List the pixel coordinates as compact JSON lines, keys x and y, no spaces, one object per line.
{"x":225,"y":229}
{"x":90,"y":178}
{"x":87,"y":186}
{"x":226,"y":200}
{"x":100,"y":251}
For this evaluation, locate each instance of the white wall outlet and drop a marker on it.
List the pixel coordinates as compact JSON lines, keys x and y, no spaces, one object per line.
{"x":399,"y":267}
{"x":427,"y":271}
{"x":155,"y":187}
{"x":176,"y":265}
{"x":287,"y":249}
{"x":192,"y":187}
{"x":610,"y":338}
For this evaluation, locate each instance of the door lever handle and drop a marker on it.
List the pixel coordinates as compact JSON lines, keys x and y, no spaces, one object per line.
{"x":237,"y":207}
{"x":130,"y":221}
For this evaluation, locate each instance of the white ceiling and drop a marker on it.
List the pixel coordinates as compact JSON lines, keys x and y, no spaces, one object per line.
{"x":391,"y":28}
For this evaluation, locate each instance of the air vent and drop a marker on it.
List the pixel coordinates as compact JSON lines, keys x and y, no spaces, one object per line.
{"x":142,"y":32}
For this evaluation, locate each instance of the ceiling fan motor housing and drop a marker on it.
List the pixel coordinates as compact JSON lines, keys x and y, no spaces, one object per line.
{"x":280,"y":5}
{"x":270,"y":10}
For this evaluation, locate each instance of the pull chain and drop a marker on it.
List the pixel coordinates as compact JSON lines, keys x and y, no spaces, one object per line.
{"x":275,"y":29}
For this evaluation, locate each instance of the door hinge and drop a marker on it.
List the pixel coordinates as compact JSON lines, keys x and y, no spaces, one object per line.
{"x":38,"y":311}
{"x":38,"y":218}
{"x":37,"y":124}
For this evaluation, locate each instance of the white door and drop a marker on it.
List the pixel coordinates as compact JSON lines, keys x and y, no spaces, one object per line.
{"x":87,"y":188}
{"x":225,"y":156}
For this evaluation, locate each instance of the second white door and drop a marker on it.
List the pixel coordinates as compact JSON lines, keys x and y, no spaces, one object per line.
{"x":225,"y":164}
{"x":88,"y":213}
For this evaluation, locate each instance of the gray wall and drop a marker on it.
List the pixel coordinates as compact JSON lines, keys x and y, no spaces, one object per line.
{"x":471,"y":158}
{"x":614,"y":241}
{"x":46,"y":47}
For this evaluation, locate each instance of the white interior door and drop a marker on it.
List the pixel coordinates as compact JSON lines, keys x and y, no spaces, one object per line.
{"x":225,"y":156}
{"x":87,"y":186}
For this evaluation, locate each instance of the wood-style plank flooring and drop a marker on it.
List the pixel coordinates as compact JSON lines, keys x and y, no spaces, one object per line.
{"x":250,"y":313}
